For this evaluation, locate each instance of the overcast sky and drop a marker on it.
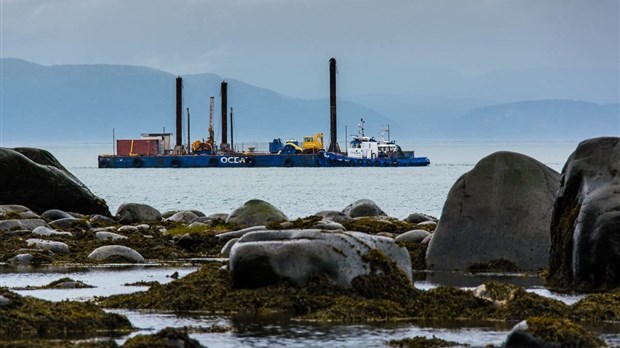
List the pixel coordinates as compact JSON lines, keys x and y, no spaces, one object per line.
{"x":285,"y":44}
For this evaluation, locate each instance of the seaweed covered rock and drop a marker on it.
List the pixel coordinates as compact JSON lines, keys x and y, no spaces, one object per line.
{"x":501,"y":209}
{"x":262,"y":258}
{"x":422,"y":342}
{"x":168,"y":337}
{"x":129,"y":213}
{"x":34,"y":178}
{"x":585,"y":229}
{"x":256,"y":212}
{"x":550,"y":333}
{"x":363,"y":207}
{"x":31,"y":317}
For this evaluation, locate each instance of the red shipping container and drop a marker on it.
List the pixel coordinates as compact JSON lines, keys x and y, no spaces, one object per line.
{"x":141,"y":147}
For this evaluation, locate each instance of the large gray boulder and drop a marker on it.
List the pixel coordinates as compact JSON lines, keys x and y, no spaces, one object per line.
{"x":256,"y":212}
{"x":34,"y":178}
{"x":500,"y":210}
{"x":585,"y":229}
{"x":129,"y":213}
{"x":363,"y":207}
{"x":266,"y":257}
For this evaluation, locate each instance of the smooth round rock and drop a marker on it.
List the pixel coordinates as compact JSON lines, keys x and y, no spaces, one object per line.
{"x":416,"y":218}
{"x":333,"y":215}
{"x":46,"y":232}
{"x":239,"y":233}
{"x":55,"y":214}
{"x":363,"y":207}
{"x":499,"y":210}
{"x":328,"y":225}
{"x":109,"y":236}
{"x":22,"y":259}
{"x":218,"y":216}
{"x":413,"y":236}
{"x":100,"y":220}
{"x":128,"y":229}
{"x":57,"y":247}
{"x":226,"y":249}
{"x":185,"y":217}
{"x":129,"y":213}
{"x":256,"y":212}
{"x":11,"y":225}
{"x":107,"y":251}
{"x":70,"y":223}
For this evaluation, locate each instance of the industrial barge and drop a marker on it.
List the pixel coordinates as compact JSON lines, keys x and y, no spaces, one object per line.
{"x":154,"y":150}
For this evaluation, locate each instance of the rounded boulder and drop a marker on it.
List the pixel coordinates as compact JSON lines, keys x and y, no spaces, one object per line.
{"x":256,"y":212}
{"x":363,"y":207}
{"x":129,"y":213}
{"x":500,"y":210}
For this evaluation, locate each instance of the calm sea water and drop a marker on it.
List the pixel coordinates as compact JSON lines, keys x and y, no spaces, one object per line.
{"x":298,"y":192}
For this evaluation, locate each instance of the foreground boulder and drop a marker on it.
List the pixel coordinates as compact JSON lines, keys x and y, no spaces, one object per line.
{"x":500,"y":210}
{"x":267,"y":257}
{"x":256,"y":212}
{"x":129,"y":213}
{"x":363,"y":207}
{"x":44,"y":186}
{"x":585,"y":229}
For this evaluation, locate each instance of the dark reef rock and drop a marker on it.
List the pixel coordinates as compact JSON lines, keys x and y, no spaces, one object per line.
{"x":267,"y":257}
{"x":585,"y":229}
{"x":256,"y":212}
{"x":44,"y":186}
{"x":501,"y":209}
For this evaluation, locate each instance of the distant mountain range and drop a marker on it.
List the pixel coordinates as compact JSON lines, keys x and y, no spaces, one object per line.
{"x":82,"y":103}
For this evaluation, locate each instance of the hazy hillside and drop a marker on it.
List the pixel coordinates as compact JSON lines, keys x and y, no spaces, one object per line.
{"x":84,"y":103}
{"x":78,"y":103}
{"x":542,"y":119}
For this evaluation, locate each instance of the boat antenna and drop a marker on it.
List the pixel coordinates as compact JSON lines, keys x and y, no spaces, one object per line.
{"x":232,"y":142}
{"x":361,"y":127}
{"x":189,"y":139}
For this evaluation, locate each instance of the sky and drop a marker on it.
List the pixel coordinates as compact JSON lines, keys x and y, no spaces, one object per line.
{"x":285,"y":45}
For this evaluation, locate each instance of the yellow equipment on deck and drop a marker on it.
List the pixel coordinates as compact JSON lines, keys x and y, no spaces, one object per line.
{"x":313,"y":143}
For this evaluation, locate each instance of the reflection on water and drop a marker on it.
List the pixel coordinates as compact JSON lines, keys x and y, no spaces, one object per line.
{"x":107,"y":280}
{"x":283,"y":332}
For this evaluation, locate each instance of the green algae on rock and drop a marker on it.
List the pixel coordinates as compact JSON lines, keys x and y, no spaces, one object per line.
{"x":598,"y":307}
{"x":551,"y":332}
{"x":31,"y":317}
{"x":374,"y":225}
{"x":166,"y":338}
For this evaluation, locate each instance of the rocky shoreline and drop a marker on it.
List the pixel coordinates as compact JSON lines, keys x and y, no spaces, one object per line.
{"x":510,"y":213}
